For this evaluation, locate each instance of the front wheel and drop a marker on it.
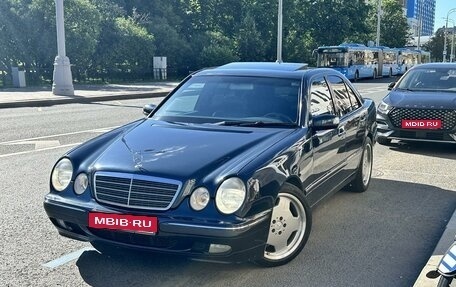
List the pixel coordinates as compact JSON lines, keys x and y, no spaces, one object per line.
{"x":364,"y":172}
{"x":289,"y":228}
{"x":445,"y":281}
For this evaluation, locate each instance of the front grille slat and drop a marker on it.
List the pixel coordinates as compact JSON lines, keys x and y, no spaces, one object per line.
{"x":448,"y":117}
{"x":135,"y":191}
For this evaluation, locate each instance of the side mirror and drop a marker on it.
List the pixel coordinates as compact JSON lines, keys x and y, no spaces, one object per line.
{"x":325,"y":122}
{"x":391,"y":86}
{"x":148,"y":109}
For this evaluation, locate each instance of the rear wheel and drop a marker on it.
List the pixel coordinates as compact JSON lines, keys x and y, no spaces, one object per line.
{"x":363,"y":175}
{"x":289,"y":228}
{"x":356,"y":76}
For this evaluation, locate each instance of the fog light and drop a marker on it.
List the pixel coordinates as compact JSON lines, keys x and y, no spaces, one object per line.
{"x":219,"y":248}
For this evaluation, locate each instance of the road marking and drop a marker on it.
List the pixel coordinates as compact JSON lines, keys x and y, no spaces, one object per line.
{"x":38,"y":144}
{"x":66,"y":258}
{"x":35,"y":150}
{"x":371,"y":90}
{"x":100,"y":130}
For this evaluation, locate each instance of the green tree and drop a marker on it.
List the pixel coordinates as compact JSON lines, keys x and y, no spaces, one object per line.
{"x":394,"y":30}
{"x":436,"y":44}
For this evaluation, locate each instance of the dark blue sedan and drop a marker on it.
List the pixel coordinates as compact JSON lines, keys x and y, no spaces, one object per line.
{"x":421,"y":106}
{"x":225,"y":169}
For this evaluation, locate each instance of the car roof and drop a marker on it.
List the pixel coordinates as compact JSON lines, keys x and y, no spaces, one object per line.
{"x":271,"y":69}
{"x":436,"y":65}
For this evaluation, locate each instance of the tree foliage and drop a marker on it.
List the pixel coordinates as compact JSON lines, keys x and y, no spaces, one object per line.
{"x":109,"y":39}
{"x":436,"y":45}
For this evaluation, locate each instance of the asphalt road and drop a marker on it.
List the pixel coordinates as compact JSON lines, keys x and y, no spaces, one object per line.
{"x":382,"y":237}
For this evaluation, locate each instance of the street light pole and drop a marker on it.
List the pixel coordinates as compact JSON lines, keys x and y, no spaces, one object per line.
{"x":444,"y":34}
{"x":379,"y":15}
{"x":279,"y":32}
{"x":62,"y":78}
{"x":420,"y":25}
{"x":452,"y":46}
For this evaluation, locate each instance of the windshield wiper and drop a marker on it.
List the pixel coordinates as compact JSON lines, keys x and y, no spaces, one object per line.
{"x":255,"y":124}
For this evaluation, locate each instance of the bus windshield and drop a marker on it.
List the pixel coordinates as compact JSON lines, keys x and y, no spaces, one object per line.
{"x":332,"y":60}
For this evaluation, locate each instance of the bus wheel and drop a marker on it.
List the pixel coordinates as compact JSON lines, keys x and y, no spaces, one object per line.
{"x":356,"y":76}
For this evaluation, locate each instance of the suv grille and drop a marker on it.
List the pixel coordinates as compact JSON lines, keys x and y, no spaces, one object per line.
{"x":135,"y":191}
{"x":448,"y":117}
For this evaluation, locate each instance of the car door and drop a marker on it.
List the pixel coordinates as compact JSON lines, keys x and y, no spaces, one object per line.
{"x":327,"y":145}
{"x":348,"y":108}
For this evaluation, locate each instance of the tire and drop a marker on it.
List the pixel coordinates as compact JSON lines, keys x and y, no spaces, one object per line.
{"x":356,"y":79}
{"x":364,"y":172}
{"x":290,"y":226}
{"x":445,"y":281}
{"x":383,"y":141}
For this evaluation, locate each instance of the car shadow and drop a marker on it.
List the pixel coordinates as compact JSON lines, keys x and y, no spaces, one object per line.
{"x":441,"y":150}
{"x":394,"y":225}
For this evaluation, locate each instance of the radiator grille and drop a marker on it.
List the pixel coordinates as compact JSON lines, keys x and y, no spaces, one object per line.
{"x":448,"y":117}
{"x":135,"y":191}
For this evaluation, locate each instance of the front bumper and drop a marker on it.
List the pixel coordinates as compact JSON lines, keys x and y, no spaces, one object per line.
{"x":183,"y":236}
{"x":386,"y":130}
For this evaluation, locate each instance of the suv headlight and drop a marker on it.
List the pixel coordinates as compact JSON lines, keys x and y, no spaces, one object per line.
{"x":61,"y":175}
{"x":230,"y":195}
{"x":384,"y":107}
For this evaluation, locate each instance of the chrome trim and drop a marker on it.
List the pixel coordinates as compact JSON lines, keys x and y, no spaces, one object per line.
{"x":237,"y":228}
{"x":132,"y":177}
{"x":421,"y":140}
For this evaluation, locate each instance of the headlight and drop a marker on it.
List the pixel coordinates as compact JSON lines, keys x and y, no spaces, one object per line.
{"x":80,"y":183}
{"x":61,"y":175}
{"x":230,"y":195}
{"x":199,"y":198}
{"x":384,"y":107}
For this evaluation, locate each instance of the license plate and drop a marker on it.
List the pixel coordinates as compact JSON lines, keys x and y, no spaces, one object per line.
{"x":422,"y":124}
{"x":123,"y":222}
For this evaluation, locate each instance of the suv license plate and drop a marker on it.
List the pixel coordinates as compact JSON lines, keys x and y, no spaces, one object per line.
{"x":422,"y":124}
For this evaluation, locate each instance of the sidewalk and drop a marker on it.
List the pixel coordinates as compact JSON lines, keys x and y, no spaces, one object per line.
{"x":42,"y":96}
{"x":444,"y":243}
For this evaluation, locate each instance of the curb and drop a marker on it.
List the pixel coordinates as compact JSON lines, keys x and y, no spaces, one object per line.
{"x":80,"y":99}
{"x":442,"y":246}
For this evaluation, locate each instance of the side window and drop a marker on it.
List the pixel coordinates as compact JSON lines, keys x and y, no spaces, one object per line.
{"x":320,"y":98}
{"x":354,"y":101}
{"x":341,"y":96}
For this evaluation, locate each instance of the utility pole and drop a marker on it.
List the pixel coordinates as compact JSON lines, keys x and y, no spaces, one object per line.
{"x":379,"y":16}
{"x":279,"y":32}
{"x":62,"y":78}
{"x":420,"y":24}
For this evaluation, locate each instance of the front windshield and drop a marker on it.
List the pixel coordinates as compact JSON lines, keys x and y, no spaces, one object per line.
{"x":215,"y":99}
{"x":332,"y":60}
{"x":441,"y":79}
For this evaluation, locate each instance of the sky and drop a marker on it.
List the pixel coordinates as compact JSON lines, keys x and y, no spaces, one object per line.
{"x":441,"y":9}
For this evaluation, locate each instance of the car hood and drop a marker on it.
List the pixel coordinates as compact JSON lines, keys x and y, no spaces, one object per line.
{"x":185,"y":151}
{"x":421,"y":99}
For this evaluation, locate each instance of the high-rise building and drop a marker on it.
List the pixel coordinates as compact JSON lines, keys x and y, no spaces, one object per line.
{"x":420,"y":11}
